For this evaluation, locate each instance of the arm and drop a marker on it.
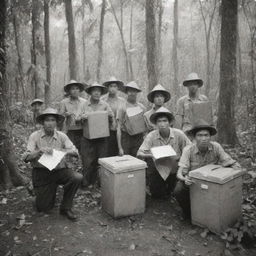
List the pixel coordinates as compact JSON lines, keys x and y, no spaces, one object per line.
{"x":32,"y":152}
{"x":118,"y":137}
{"x":144,"y":150}
{"x":69,"y":147}
{"x":111,"y":115}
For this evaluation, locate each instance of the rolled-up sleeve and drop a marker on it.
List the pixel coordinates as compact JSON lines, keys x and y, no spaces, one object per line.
{"x":146,"y":145}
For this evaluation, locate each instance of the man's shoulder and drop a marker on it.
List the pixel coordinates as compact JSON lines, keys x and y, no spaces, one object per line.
{"x":203,"y":97}
{"x":83,"y":100}
{"x":61,"y":135}
{"x":215,"y":144}
{"x":178,"y":132}
{"x":149,"y":112}
{"x":182,"y":99}
{"x":65,"y":100}
{"x":36,"y":134}
{"x":152,"y":135}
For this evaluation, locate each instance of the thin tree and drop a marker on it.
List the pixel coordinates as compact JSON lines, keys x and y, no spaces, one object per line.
{"x":73,"y":62}
{"x":100,"y":43}
{"x":175,"y":60}
{"x":131,"y":42}
{"x":47,"y":90}
{"x":151,"y":44}
{"x":9,"y":173}
{"x":228,"y":82}
{"x":159,"y":36}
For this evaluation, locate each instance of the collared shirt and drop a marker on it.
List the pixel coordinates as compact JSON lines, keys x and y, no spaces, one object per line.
{"x":75,"y":108}
{"x":150,"y":126}
{"x":192,"y":158}
{"x":59,"y":141}
{"x":177,"y":139}
{"x":121,"y":113}
{"x":114,"y":103}
{"x":183,"y":110}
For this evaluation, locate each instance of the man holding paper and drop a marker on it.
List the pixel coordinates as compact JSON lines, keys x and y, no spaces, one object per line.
{"x":162,"y":148}
{"x":202,"y":152}
{"x":46,"y":150}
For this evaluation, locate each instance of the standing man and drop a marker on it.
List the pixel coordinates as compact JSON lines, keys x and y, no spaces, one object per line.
{"x":158,"y":96}
{"x":45,"y":182}
{"x":129,"y":143}
{"x":93,"y":149}
{"x":71,"y":108}
{"x":196,"y":155}
{"x":114,"y":102}
{"x":163,"y":135}
{"x":183,"y":114}
{"x":36,"y":106}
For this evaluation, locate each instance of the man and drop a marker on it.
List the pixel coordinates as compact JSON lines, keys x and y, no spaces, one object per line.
{"x":36,"y":106}
{"x":45,"y":182}
{"x":93,"y":149}
{"x":129,"y":143}
{"x":71,"y":108}
{"x":201,"y":153}
{"x":183,"y":116}
{"x":158,"y":96}
{"x":163,"y":135}
{"x":114,"y":102}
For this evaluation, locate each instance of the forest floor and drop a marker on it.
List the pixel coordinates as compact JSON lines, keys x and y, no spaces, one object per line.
{"x":159,"y":231}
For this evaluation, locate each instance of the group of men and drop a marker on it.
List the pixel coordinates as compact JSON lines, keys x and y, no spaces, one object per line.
{"x":191,"y":141}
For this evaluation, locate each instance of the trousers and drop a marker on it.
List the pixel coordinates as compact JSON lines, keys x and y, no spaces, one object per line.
{"x":112,"y":144}
{"x":45,"y":184}
{"x":131,"y":143}
{"x":75,"y":136}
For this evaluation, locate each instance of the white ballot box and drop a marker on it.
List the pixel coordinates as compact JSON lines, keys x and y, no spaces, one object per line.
{"x":123,"y":185}
{"x":216,"y":197}
{"x":96,"y":125}
{"x":135,"y":123}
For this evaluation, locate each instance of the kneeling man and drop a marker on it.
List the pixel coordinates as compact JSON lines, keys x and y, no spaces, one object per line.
{"x":45,"y":182}
{"x":163,"y":135}
{"x":201,"y":153}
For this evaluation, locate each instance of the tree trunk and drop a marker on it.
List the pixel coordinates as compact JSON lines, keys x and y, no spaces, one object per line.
{"x":37,"y":48}
{"x":47,"y":92}
{"x":131,"y":42}
{"x":151,"y":44}
{"x":18,"y":45}
{"x":101,"y":34}
{"x":226,"y":116}
{"x":8,"y":168}
{"x":159,"y":38}
{"x":175,"y":60}
{"x":73,"y":62}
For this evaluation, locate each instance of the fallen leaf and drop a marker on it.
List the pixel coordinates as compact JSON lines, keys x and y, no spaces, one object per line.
{"x":204,"y":233}
{"x":132,"y":247}
{"x":3,"y":201}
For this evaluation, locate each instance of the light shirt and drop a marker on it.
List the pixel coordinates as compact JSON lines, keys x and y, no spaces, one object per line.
{"x":192,"y":158}
{"x":183,"y":110}
{"x":59,"y":141}
{"x":75,"y":107}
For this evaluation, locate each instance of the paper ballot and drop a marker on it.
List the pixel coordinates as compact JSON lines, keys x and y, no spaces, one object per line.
{"x":134,"y":111}
{"x":162,"y":152}
{"x":51,"y":161}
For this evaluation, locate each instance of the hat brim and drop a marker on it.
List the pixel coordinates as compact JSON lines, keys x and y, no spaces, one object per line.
{"x":38,"y":101}
{"x":211,"y":129}
{"x":154,"y":116}
{"x":125,"y":88}
{"x":120,"y":84}
{"x":104,"y":89}
{"x":151,"y":95}
{"x":199,"y":81}
{"x":41,"y":117}
{"x":80,"y":85}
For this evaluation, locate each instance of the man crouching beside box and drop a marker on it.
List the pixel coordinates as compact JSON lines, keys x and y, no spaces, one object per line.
{"x":162,"y":171}
{"x":46,"y":142}
{"x":201,"y":153}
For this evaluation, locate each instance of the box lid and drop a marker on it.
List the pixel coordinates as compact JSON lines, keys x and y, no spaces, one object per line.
{"x":215,"y":173}
{"x":120,"y":164}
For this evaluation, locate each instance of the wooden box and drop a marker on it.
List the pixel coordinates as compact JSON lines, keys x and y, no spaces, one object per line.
{"x":216,"y":197}
{"x":96,"y":125}
{"x":135,"y":123}
{"x":201,"y":110}
{"x":123,"y":185}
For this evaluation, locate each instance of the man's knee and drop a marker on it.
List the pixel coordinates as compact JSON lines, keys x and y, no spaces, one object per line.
{"x":76,"y":177}
{"x":179,"y":188}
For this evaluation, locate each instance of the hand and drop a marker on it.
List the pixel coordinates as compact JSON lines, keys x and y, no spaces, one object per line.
{"x":47,"y":150}
{"x":78,"y":119}
{"x":188,"y":181}
{"x":84,"y":116}
{"x":121,"y":152}
{"x":67,"y":114}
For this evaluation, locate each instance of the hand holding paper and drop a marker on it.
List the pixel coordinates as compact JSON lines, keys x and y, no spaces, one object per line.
{"x":51,"y":161}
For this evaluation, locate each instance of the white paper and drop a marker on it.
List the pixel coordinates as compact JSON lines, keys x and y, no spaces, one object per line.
{"x":163,"y":151}
{"x":133,"y":111}
{"x":51,"y":161}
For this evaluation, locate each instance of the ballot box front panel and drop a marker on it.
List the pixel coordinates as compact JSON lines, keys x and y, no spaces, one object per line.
{"x":96,"y":125}
{"x":216,"y":206}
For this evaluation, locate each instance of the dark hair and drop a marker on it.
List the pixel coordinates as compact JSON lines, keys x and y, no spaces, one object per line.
{"x":164,"y":115}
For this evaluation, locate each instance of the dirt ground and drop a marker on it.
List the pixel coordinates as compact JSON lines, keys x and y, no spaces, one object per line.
{"x":159,"y":231}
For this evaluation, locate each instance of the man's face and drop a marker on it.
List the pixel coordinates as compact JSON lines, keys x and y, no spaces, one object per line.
{"x":203,"y":138}
{"x":74,"y":91}
{"x":159,"y":99}
{"x":113,"y":88}
{"x":132,"y":94}
{"x":37,"y":106}
{"x":50,"y":123}
{"x":96,"y":93}
{"x":162,"y":123}
{"x":193,"y":87}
